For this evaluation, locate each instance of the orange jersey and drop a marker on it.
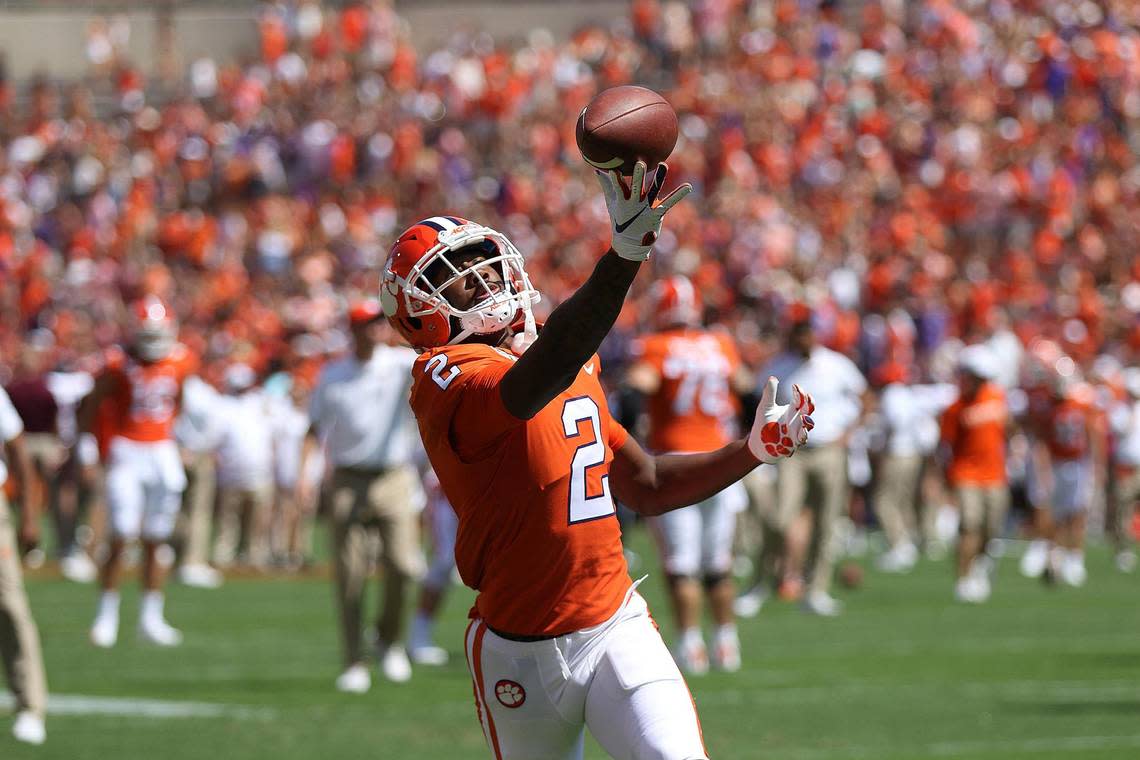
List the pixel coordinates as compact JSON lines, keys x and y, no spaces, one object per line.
{"x":1067,"y":431}
{"x":145,"y":399}
{"x":694,"y":409}
{"x":975,"y":433}
{"x":538,"y":535}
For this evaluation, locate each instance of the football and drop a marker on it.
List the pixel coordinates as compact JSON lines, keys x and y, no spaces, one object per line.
{"x":624,"y":124}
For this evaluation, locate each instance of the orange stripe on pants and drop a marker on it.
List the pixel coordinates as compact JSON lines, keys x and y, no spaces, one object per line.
{"x":475,"y":665}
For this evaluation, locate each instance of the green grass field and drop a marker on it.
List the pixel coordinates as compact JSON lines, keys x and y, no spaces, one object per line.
{"x":905,"y":673}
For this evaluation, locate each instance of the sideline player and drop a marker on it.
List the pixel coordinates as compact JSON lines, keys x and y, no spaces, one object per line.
{"x":137,"y":396}
{"x":1072,"y":443}
{"x":527,"y":453}
{"x":692,"y":379}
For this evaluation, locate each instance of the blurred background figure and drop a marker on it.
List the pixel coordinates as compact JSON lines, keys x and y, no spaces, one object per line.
{"x":245,"y":471}
{"x":135,"y":401}
{"x":973,"y":441}
{"x":1072,"y":448}
{"x":689,"y":379}
{"x":198,"y":429}
{"x":1125,"y":421}
{"x":909,"y":413}
{"x":812,"y":487}
{"x":359,"y":412}
{"x":442,"y":524}
{"x":19,"y":638}
{"x":291,"y":524}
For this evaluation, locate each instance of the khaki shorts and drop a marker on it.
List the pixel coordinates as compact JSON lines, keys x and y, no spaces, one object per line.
{"x":983,"y":508}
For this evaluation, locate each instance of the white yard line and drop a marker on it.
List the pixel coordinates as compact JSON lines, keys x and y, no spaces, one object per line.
{"x":82,"y":704}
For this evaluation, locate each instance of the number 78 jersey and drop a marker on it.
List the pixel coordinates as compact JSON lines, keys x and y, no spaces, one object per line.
{"x":695,"y":408}
{"x":538,"y":534}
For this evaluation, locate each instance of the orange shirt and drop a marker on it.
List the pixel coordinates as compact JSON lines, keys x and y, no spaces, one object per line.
{"x":975,"y":432}
{"x":1067,"y":434}
{"x":145,"y":399}
{"x":538,"y":536}
{"x":694,"y":409}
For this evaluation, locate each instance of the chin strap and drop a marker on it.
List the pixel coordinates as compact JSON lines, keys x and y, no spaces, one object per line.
{"x":521,"y":342}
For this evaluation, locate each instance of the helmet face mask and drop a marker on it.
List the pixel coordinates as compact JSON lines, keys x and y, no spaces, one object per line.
{"x":154,"y":330}
{"x":425,"y":262}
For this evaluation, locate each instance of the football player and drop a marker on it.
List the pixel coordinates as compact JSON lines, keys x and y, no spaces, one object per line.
{"x":1073,"y":448}
{"x":692,"y":379}
{"x":136,"y":399}
{"x":517,"y":429}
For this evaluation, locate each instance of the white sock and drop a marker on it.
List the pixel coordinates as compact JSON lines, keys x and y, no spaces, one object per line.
{"x":691,"y":637}
{"x":726,"y":632}
{"x":1076,"y":556}
{"x":108,"y":604}
{"x":421,"y":633}
{"x":151,"y":605}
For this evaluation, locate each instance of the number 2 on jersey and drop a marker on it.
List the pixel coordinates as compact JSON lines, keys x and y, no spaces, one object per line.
{"x":584,"y":507}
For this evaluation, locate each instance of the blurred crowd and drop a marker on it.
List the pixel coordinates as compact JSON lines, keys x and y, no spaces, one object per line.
{"x":911,"y":176}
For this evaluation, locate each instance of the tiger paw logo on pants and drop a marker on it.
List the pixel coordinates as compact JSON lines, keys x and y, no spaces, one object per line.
{"x":510,"y":694}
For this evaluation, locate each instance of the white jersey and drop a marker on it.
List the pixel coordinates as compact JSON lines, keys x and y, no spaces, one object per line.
{"x":289,"y":427}
{"x":199,"y":424}
{"x":68,"y":389}
{"x":245,"y":448}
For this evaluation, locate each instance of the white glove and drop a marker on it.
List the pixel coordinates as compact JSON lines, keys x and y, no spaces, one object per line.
{"x":780,"y":430}
{"x":636,"y":217}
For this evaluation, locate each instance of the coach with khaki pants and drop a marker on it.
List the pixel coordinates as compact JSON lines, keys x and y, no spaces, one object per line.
{"x":19,"y":639}
{"x":359,"y":410}
{"x":812,"y":489}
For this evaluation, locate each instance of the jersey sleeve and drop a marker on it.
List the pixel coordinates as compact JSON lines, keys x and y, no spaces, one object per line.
{"x":10,"y":423}
{"x":455,"y":392}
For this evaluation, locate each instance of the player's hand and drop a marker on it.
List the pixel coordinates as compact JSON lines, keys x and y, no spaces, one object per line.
{"x":635,"y":212}
{"x":779,"y":430}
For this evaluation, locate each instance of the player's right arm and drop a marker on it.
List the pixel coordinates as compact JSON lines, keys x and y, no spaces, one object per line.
{"x":575,"y":330}
{"x":653,"y":485}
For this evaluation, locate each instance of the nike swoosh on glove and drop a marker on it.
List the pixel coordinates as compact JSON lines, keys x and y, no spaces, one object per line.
{"x":635,"y":213}
{"x":779,"y":430}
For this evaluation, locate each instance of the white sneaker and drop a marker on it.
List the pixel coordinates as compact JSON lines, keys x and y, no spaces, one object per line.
{"x":726,"y":653}
{"x":105,"y":631}
{"x":355,"y":680}
{"x":29,"y":728}
{"x":1125,"y":561}
{"x":900,"y":559}
{"x":394,"y":663}
{"x":1072,"y":572}
{"x":749,"y":604}
{"x":158,"y":632}
{"x":199,"y":576}
{"x":821,"y":603}
{"x":1035,"y":559}
{"x":77,"y":567}
{"x":428,"y":654}
{"x":972,"y":589}
{"x":692,"y":656}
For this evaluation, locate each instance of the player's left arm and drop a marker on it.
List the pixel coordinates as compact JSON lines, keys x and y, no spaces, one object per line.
{"x":574,"y":331}
{"x":653,"y":485}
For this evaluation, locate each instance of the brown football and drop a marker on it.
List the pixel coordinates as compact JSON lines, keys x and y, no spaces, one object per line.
{"x":622,"y":124}
{"x":851,"y":575}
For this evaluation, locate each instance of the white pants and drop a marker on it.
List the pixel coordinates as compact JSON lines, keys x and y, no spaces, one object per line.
{"x":697,"y":540}
{"x":444,"y":524}
{"x":145,"y":482}
{"x":1072,"y":487}
{"x":617,"y":679}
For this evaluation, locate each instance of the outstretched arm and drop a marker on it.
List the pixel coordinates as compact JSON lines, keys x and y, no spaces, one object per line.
{"x":653,"y":485}
{"x":576,"y":328}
